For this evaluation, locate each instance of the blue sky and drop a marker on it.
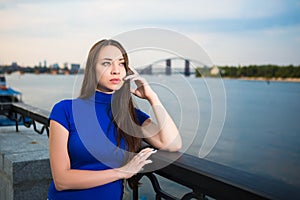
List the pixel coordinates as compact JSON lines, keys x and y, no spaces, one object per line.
{"x":232,"y":32}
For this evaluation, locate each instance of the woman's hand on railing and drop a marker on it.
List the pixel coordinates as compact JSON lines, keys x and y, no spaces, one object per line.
{"x":136,"y":164}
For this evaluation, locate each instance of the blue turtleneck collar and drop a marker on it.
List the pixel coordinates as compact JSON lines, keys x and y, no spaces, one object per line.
{"x":101,"y":97}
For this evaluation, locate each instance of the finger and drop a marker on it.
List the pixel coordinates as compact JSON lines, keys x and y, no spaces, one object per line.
{"x":142,"y":164}
{"x":148,"y":154}
{"x":133,"y":91}
{"x":145,"y":155}
{"x":147,"y":149}
{"x":130,"y":77}
{"x":141,"y":154}
{"x":138,"y":81}
{"x":145,"y":162}
{"x":148,"y":162}
{"x":144,"y":152}
{"x":136,"y":78}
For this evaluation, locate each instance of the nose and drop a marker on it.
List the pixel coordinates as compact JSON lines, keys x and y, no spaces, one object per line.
{"x":115,"y":69}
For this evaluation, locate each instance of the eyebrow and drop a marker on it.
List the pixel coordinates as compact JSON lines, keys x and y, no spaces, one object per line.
{"x":121,"y":59}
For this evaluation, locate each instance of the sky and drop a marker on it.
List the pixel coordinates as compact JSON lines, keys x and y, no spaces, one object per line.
{"x":231,"y":32}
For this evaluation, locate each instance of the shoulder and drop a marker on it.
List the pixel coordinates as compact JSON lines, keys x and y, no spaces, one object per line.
{"x":64,"y":102}
{"x":62,"y":112}
{"x":62,"y":105}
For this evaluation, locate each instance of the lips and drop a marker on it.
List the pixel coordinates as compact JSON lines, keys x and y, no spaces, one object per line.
{"x":115,"y":80}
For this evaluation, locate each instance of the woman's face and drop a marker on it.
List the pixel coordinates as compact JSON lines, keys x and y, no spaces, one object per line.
{"x":110,"y":69}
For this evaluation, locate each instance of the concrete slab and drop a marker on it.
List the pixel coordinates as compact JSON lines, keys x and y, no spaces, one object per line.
{"x":24,"y":164}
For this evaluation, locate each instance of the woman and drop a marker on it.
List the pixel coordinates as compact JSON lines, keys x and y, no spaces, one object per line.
{"x":88,"y":162}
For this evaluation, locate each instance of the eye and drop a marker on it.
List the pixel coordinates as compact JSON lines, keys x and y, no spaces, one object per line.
{"x":106,"y":64}
{"x":122,"y":64}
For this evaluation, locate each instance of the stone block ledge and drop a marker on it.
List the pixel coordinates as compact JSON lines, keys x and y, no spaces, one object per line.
{"x":24,"y":164}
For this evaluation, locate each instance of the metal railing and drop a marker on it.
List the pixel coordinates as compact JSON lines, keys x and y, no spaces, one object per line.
{"x":208,"y":179}
{"x":24,"y":114}
{"x":204,"y":178}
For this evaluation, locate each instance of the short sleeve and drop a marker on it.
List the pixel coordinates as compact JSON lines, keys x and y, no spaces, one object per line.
{"x":60,"y":113}
{"x":141,"y":116}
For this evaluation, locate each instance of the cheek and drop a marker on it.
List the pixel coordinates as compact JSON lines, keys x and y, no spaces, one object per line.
{"x":123,"y":72}
{"x":100,"y":73}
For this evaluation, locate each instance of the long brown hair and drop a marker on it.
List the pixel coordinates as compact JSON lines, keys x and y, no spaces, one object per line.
{"x":124,"y":116}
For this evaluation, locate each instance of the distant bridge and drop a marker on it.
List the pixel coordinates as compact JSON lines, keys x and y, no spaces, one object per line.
{"x":167,"y":68}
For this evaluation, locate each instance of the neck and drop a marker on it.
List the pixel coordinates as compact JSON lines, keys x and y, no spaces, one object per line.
{"x":106,"y":92}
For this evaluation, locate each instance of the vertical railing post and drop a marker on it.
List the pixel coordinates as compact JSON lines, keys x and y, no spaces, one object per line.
{"x":17,"y":121}
{"x":135,"y":190}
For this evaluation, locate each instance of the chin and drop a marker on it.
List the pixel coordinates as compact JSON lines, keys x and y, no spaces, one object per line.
{"x":118,"y":87}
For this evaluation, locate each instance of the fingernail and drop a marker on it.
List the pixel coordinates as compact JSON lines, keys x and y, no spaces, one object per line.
{"x":154,"y":150}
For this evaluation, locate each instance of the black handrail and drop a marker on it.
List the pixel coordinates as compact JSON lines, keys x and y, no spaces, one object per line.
{"x":203,"y":177}
{"x":27,"y":115}
{"x":207,"y":178}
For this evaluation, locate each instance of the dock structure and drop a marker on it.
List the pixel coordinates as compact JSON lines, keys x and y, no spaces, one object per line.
{"x":25,"y":171}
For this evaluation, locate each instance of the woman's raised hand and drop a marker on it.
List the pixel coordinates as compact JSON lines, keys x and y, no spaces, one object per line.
{"x":136,"y":164}
{"x":143,"y":89}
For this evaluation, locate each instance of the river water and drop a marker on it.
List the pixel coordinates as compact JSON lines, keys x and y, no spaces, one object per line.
{"x":260,"y":131}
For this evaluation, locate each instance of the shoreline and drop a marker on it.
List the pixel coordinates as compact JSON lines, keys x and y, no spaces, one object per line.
{"x":273,"y":79}
{"x":293,"y":80}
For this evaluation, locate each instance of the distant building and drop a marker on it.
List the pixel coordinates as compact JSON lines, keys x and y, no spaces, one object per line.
{"x":14,"y":66}
{"x":214,"y":71}
{"x":74,"y":68}
{"x":55,"y":66}
{"x":54,"y":69}
{"x":66,"y":65}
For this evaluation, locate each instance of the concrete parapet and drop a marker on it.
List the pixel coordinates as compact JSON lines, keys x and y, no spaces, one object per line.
{"x":24,"y":164}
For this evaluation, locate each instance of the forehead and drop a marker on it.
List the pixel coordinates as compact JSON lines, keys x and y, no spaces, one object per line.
{"x":110,"y":52}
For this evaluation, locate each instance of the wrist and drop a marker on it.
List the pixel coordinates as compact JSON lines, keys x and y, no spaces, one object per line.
{"x":119,"y":173}
{"x":154,"y":100}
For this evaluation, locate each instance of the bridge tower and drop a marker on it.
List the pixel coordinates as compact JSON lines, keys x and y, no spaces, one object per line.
{"x":168,"y":67}
{"x":187,"y":68}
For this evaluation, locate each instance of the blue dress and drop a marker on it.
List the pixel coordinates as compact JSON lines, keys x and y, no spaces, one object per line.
{"x":92,"y":143}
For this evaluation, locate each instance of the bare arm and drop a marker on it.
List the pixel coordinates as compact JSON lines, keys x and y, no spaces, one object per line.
{"x":163,"y":135}
{"x":66,"y":178}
